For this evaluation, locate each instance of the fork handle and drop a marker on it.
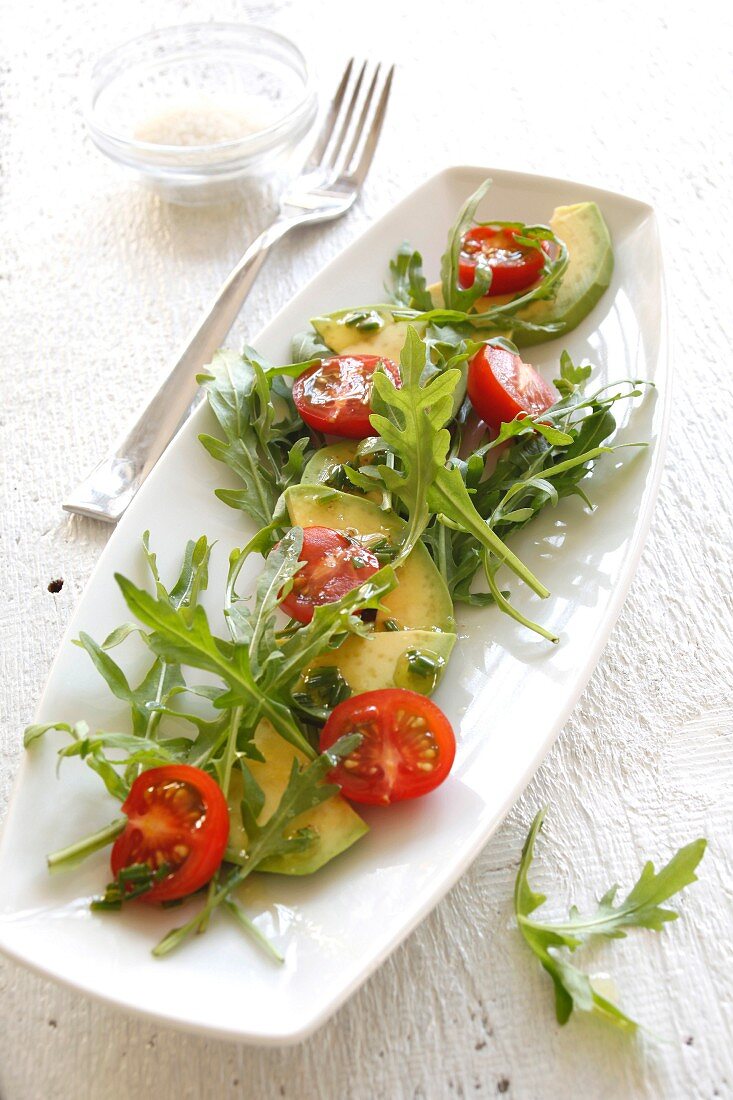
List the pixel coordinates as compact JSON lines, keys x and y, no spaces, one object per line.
{"x":109,"y":488}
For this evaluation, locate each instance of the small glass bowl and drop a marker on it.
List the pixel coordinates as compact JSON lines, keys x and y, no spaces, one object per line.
{"x":205,"y":85}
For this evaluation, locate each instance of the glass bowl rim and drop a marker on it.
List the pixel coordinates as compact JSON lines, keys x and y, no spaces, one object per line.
{"x":259,"y":140}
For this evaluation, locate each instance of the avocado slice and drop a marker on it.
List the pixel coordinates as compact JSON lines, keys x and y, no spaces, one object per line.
{"x":334,"y":822}
{"x":387,"y":340}
{"x":385,"y":660}
{"x":321,"y":466}
{"x":588,"y":273}
{"x":421,"y":600}
{"x":326,"y":461}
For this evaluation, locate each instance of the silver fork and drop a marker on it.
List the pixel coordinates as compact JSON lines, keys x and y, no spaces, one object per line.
{"x":326,"y":188}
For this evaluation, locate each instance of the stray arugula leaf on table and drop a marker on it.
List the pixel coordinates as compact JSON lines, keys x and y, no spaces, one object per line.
{"x":641,"y":908}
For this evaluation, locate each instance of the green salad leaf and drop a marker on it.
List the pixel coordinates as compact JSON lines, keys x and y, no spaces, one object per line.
{"x":641,"y":908}
{"x":412,"y":419}
{"x":408,"y":287}
{"x":149,"y":699}
{"x":456,"y":297}
{"x":545,"y":463}
{"x":265,"y":448}
{"x":308,"y":346}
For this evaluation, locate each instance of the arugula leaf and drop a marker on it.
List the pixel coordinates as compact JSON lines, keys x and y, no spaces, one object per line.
{"x":182,"y":639}
{"x":148,"y":701}
{"x":193,"y":578}
{"x":409,"y":287}
{"x":450,"y":500}
{"x":455,"y":297}
{"x":545,"y":463}
{"x":189,"y":641}
{"x":37,"y":731}
{"x":256,"y":627}
{"x":308,"y":346}
{"x":266,"y":455}
{"x":498,"y":320}
{"x":132,"y":751}
{"x":642,"y":908}
{"x":258,"y":678}
{"x":119,"y":635}
{"x":412,"y":420}
{"x":305,"y":790}
{"x":571,"y":376}
{"x":155,"y":688}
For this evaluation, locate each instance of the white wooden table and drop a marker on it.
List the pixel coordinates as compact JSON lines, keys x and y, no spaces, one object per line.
{"x":99,"y":282}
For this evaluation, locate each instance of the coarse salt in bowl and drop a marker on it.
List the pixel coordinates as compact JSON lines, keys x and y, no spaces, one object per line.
{"x":197,"y":110}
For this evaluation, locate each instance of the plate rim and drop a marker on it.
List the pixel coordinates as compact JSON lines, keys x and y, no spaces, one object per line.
{"x":638,"y":540}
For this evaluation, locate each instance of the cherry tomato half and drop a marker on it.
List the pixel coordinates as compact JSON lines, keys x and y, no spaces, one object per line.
{"x":407,"y":749}
{"x":176,"y":815}
{"x":514,"y":266}
{"x":335,"y":396}
{"x":333,"y":564}
{"x":501,"y":386}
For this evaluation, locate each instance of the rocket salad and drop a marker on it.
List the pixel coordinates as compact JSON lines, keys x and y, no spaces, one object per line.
{"x":385,"y":470}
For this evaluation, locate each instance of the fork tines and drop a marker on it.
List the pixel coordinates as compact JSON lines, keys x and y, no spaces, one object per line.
{"x":353,"y":123}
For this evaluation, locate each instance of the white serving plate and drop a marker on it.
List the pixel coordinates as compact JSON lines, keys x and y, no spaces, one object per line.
{"x":507,"y":692}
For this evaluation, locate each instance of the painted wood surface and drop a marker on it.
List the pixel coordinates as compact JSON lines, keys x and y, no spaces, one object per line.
{"x":99,"y":283}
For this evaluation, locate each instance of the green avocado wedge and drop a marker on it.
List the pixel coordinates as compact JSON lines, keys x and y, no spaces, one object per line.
{"x":588,"y":274}
{"x":387,"y":338}
{"x":413,"y":659}
{"x":421,"y":600}
{"x":326,"y":461}
{"x":325,"y":468}
{"x":335,"y":825}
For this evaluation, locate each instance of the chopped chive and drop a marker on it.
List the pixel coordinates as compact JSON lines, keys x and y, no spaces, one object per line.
{"x":422,"y":664}
{"x":364,"y":320}
{"x":321,"y":689}
{"x":130,"y":883}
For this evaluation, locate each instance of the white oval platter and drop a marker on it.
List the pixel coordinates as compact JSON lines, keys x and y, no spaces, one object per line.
{"x":507,"y":692}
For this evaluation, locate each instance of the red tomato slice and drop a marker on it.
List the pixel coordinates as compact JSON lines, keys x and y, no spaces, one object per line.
{"x":501,"y":386}
{"x":513,"y":266}
{"x":335,"y":396}
{"x":176,"y":815}
{"x":333,"y":564}
{"x":407,"y":749}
